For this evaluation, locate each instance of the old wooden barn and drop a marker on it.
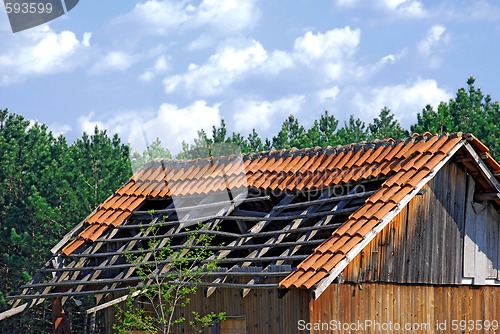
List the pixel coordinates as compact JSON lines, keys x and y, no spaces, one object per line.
{"x":387,"y":233}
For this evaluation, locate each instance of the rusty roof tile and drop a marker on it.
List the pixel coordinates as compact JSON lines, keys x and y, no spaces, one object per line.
{"x":414,"y":180}
{"x":318,"y":260}
{"x":385,"y":209}
{"x":158,"y":173}
{"x":477,"y":144}
{"x":278,"y":181}
{"x":394,"y":178}
{"x":366,"y":154}
{"x":326,"y":245}
{"x":495,"y":166}
{"x":354,"y":240}
{"x":119,"y":219}
{"x":345,"y":159}
{"x":409,"y":161}
{"x":427,"y":144}
{"x":354,"y":159}
{"x":370,"y":171}
{"x":406,"y":176}
{"x":402,"y":192}
{"x":437,"y":158}
{"x":372,"y":209}
{"x":423,"y":160}
{"x":198,"y":173}
{"x":111,"y":217}
{"x":94,"y":218}
{"x":88,"y":232}
{"x":310,"y":261}
{"x":185,"y":173}
{"x":332,"y":262}
{"x":318,"y":161}
{"x":367,"y":227}
{"x":97,"y":233}
{"x":354,"y":225}
{"x":324,"y":164}
{"x":391,"y":153}
{"x":132,"y":204}
{"x":298,"y":164}
{"x":310,"y":161}
{"x":389,"y":166}
{"x":303,"y":181}
{"x":440,"y":142}
{"x":110,"y":201}
{"x":451,"y":143}
{"x":315,"y":181}
{"x":318,"y":276}
{"x":303,"y":278}
{"x":292,"y":277}
{"x":262,"y":162}
{"x":378,"y":154}
{"x":118,"y":203}
{"x":334,"y":164}
{"x":73,"y":245}
{"x":124,"y":190}
{"x":383,"y":194}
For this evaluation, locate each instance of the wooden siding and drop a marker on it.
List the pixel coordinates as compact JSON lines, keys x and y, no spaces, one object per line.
{"x":264,"y":312}
{"x":424,"y":242}
{"x":405,"y":304}
{"x":482,"y":240}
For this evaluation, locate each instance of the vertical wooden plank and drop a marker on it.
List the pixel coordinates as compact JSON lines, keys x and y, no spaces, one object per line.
{"x":470,"y":232}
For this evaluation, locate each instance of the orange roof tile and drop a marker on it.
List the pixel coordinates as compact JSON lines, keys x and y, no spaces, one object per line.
{"x":411,"y":161}
{"x":407,"y":162}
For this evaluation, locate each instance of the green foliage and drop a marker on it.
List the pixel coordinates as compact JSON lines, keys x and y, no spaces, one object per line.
{"x":470,"y":111}
{"x":169,"y":278}
{"x":47,"y":187}
{"x":353,"y":131}
{"x":154,"y":151}
{"x":386,"y":126}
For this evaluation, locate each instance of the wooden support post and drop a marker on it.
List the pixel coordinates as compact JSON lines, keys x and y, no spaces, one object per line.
{"x":60,"y":323}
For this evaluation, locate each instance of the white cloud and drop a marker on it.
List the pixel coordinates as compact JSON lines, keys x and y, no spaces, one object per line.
{"x":59,"y":129}
{"x":333,"y":45}
{"x":403,"y":8}
{"x":229,"y":64}
{"x":328,"y":93}
{"x":161,"y":65}
{"x":433,"y":44}
{"x":223,"y":17}
{"x":169,"y":123}
{"x":435,"y":36}
{"x":226,"y":15}
{"x":259,"y":114}
{"x":41,"y":51}
{"x":405,"y":101}
{"x":329,"y":53}
{"x":114,"y":61}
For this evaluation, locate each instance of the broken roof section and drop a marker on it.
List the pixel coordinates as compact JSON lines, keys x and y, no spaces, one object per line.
{"x":298,"y":215}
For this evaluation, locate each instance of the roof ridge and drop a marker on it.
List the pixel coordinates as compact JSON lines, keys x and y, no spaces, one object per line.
{"x":310,"y":151}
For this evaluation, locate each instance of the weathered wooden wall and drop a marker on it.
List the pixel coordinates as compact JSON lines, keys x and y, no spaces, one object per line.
{"x":482,"y":240}
{"x":264,"y":311}
{"x":406,"y":304}
{"x":424,"y":242}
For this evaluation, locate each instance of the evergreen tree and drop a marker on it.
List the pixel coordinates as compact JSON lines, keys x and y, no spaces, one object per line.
{"x":353,"y":131}
{"x":386,"y":126}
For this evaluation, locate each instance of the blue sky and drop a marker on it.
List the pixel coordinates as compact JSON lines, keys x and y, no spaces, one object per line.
{"x":168,"y":68}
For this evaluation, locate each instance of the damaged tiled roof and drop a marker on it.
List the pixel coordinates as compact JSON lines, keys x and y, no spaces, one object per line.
{"x":411,"y":163}
{"x":405,"y":162}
